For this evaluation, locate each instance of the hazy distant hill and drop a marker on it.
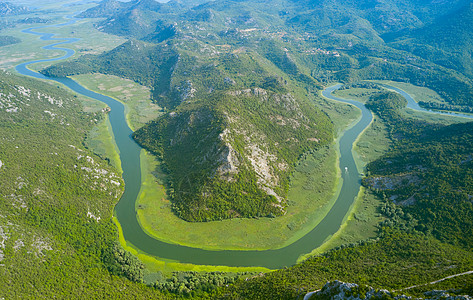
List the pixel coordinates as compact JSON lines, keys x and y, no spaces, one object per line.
{"x":10,"y":9}
{"x":137,"y":18}
{"x":106,"y":9}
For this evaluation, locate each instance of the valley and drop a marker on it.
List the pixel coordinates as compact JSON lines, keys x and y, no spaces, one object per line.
{"x":130,"y":171}
{"x":263,"y":167}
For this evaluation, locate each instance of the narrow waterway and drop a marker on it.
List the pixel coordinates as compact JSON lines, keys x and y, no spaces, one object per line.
{"x":412,"y":104}
{"x":130,"y":159}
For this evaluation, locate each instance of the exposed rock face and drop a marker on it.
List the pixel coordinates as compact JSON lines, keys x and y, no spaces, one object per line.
{"x":337,"y":290}
{"x":228,"y":158}
{"x":393,"y":182}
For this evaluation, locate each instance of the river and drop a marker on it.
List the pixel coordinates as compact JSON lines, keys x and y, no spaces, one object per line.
{"x":130,"y":161}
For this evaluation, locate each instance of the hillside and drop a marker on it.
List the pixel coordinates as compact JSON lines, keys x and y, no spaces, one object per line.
{"x":428,"y":173}
{"x":231,"y":155}
{"x":248,"y":107}
{"x":424,"y":181}
{"x":57,"y":237}
{"x":239,"y":84}
{"x":446,"y":41}
{"x":6,"y":40}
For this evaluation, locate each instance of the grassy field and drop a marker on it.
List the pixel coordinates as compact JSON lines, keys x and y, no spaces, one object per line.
{"x":361,"y":221}
{"x":360,"y":224}
{"x":139,"y":107}
{"x":372,"y":143}
{"x":101,"y":141}
{"x":358,"y":94}
{"x":417,"y":93}
{"x":155,"y":264}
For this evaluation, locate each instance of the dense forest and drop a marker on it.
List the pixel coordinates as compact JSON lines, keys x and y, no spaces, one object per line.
{"x":428,"y":172}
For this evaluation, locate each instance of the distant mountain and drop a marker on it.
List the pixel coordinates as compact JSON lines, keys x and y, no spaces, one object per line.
{"x":105,"y":9}
{"x":137,"y":19}
{"x":10,"y":9}
{"x":368,"y":19}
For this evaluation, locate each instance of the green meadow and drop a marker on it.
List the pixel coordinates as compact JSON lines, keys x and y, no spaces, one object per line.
{"x":418,"y":93}
{"x":139,"y":108}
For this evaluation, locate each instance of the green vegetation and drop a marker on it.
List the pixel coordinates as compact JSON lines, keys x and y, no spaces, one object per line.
{"x":340,"y":114}
{"x":6,"y":40}
{"x":195,"y":284}
{"x":460,"y":285}
{"x":29,"y":46}
{"x":234,"y":78}
{"x":100,"y":141}
{"x":418,"y":93}
{"x":305,"y":210}
{"x":358,"y":91}
{"x":428,"y":172}
{"x":431,"y":178}
{"x":395,"y":261}
{"x":360,"y":225}
{"x":139,"y":108}
{"x":56,"y":201}
{"x":358,"y":94}
{"x":250,"y":141}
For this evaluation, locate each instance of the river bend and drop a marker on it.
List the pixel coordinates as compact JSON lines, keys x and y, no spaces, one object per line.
{"x":130,"y":160}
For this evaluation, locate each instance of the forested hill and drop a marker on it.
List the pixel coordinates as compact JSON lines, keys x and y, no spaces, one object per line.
{"x":328,"y":40}
{"x":447,"y":40}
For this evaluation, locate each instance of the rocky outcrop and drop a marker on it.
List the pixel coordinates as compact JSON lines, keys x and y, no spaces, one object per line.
{"x":337,"y":290}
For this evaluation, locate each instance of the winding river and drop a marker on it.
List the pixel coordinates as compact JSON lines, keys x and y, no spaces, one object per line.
{"x":130,"y":160}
